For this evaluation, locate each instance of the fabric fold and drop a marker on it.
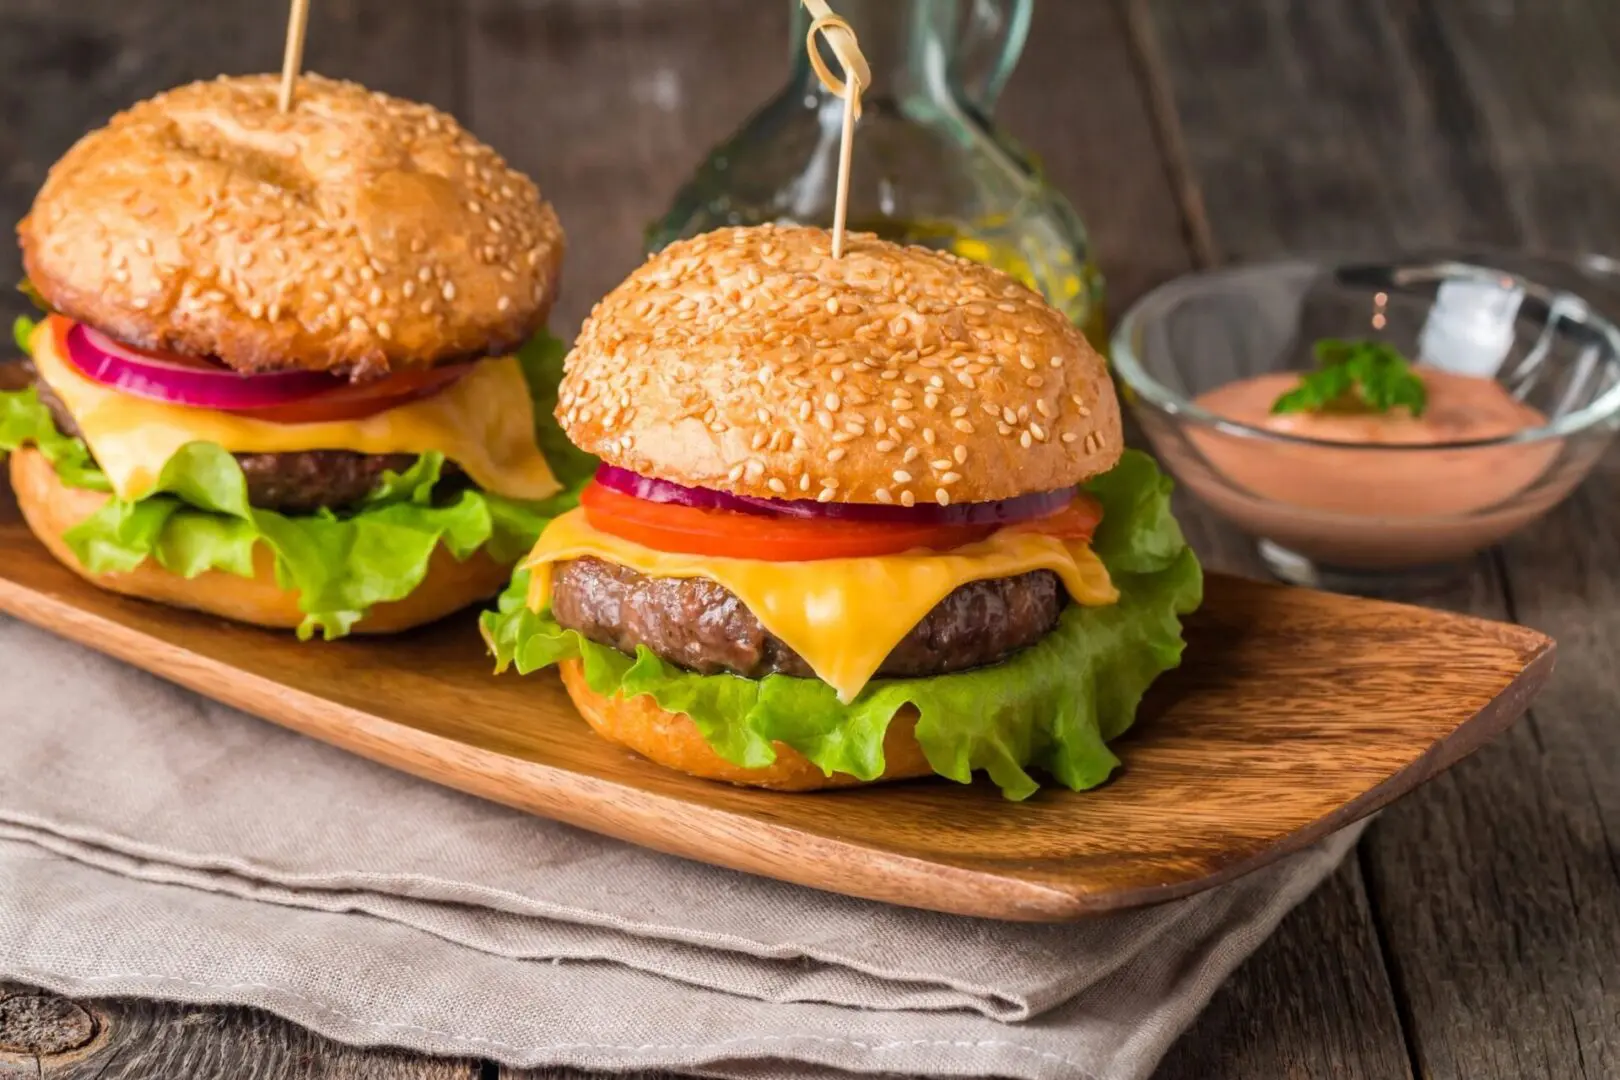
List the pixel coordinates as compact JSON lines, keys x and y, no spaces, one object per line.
{"x":155,"y":843}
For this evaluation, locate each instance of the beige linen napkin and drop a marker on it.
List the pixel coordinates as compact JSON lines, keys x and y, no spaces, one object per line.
{"x":155,"y":843}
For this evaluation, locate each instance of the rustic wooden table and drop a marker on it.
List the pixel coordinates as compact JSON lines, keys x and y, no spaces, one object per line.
{"x":1476,"y":934}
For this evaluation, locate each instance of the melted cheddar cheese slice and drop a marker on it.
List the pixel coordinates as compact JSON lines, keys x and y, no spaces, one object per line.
{"x":484,"y":422}
{"x":844,"y":616}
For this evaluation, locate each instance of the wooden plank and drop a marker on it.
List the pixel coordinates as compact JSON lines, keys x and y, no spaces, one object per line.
{"x":1322,"y":124}
{"x":1273,"y":1018}
{"x":1538,"y":920}
{"x":44,"y":1035}
{"x":1293,"y":713}
{"x":610,"y":105}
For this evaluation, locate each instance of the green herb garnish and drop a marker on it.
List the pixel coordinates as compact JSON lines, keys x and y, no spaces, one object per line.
{"x":1355,"y":377}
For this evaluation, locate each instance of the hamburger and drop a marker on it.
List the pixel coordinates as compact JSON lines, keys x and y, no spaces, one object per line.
{"x":293,"y":367}
{"x":856,"y":519}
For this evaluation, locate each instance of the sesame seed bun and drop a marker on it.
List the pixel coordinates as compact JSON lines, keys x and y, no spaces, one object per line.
{"x":672,"y":740}
{"x":359,"y":233}
{"x":751,"y":361}
{"x":51,"y":508}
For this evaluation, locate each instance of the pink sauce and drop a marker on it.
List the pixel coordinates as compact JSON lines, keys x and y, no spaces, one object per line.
{"x":1378,"y":506}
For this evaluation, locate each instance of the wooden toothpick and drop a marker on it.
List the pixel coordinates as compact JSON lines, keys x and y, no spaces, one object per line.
{"x":293,"y":58}
{"x":857,"y":77}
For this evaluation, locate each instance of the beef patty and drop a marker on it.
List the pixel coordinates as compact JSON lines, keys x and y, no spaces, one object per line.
{"x":299,"y":482}
{"x":702,"y":626}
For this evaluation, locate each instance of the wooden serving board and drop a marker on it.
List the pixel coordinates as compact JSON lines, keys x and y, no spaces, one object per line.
{"x":1294,"y":713}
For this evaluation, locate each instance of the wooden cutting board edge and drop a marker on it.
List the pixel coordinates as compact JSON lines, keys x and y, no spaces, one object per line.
{"x":711,"y":834}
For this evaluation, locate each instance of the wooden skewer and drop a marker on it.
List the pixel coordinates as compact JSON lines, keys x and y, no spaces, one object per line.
{"x":293,"y":58}
{"x":857,"y":77}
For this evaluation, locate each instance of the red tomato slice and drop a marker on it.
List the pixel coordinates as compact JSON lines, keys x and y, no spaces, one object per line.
{"x":729,"y":534}
{"x":1077,"y":521}
{"x":356,"y":401}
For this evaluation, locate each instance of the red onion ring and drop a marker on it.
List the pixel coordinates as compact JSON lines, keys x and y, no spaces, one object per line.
{"x":1002,"y":512}
{"x":97,"y":356}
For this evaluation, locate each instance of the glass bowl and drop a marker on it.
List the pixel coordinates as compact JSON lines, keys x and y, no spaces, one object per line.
{"x":1368,"y":516}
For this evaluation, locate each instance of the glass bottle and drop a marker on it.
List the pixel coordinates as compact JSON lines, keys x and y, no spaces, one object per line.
{"x":929,"y":166}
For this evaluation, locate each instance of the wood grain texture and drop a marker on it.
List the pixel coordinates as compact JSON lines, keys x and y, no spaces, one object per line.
{"x":124,"y":1039}
{"x":1324,"y":956}
{"x":1418,"y":123}
{"x":1295,"y":713}
{"x":610,"y":105}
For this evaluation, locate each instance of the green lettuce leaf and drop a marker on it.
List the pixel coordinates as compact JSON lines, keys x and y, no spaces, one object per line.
{"x":25,"y":421}
{"x":1052,"y":707}
{"x":197,"y":516}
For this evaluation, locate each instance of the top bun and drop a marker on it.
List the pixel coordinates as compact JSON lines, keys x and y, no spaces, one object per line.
{"x":358,"y":233}
{"x":751,"y":361}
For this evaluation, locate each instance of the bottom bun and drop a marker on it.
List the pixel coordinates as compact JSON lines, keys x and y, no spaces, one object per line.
{"x":672,"y":740}
{"x":51,"y":508}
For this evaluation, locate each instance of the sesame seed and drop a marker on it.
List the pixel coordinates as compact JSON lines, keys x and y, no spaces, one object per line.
{"x":826,"y":495}
{"x":449,"y":290}
{"x":735,"y":474}
{"x":942,"y":496}
{"x":1043,"y":408}
{"x":964,"y":426}
{"x":911,"y":454}
{"x":776,"y":485}
{"x":960,"y":454}
{"x":882,"y":495}
{"x":885,"y":445}
{"x":907,"y":499}
{"x":950,"y":478}
{"x":1069,"y":437}
{"x":940,"y":464}
{"x":836,"y":454}
{"x":901,"y":476}
{"x":1057,"y":361}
